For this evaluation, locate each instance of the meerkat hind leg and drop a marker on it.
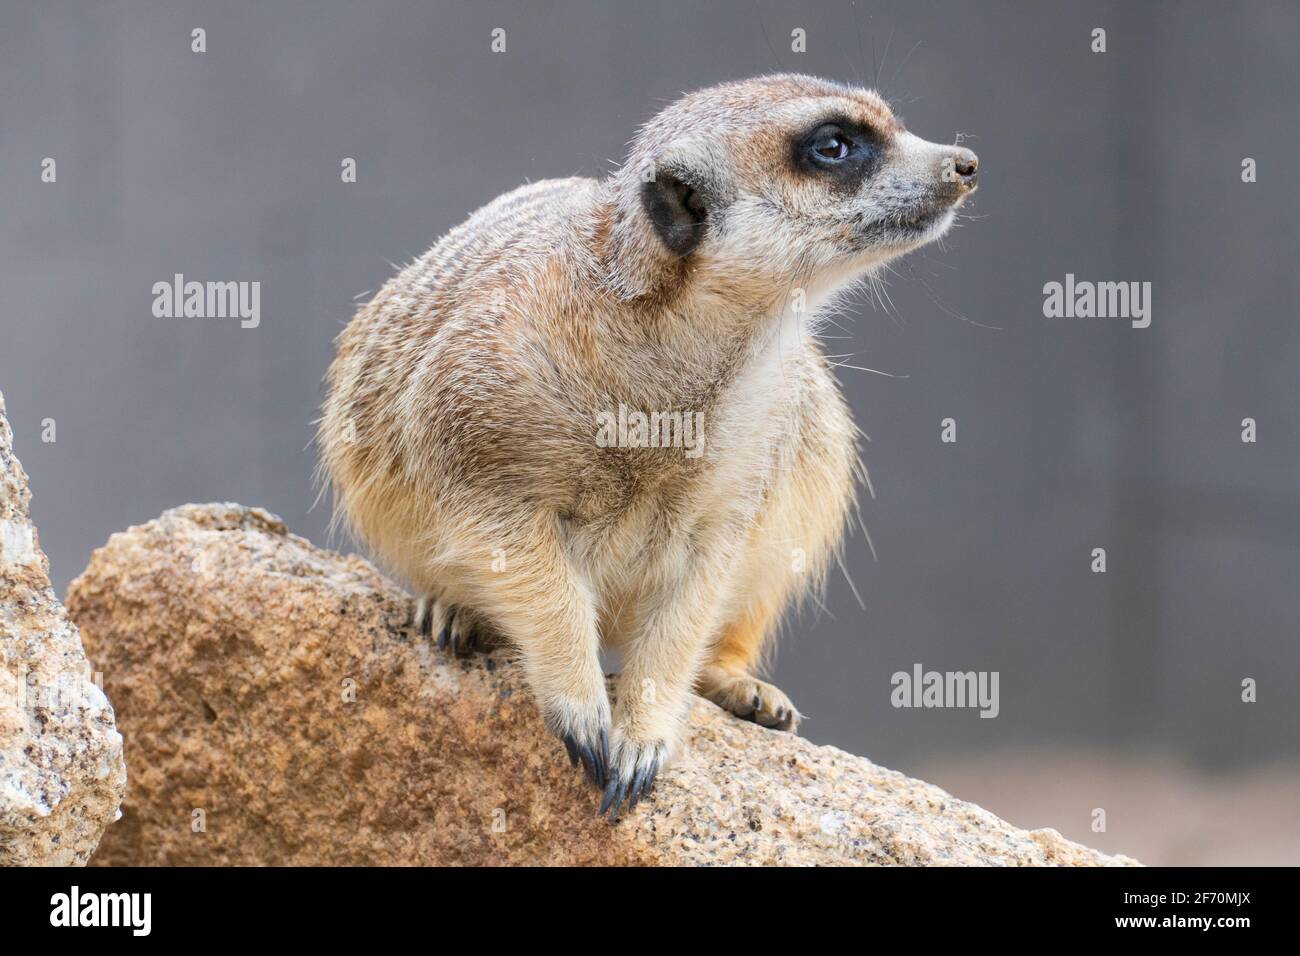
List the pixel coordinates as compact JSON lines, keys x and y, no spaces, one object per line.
{"x":727,"y":680}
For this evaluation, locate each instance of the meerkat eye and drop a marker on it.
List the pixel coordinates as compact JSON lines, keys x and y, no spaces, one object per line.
{"x":841,"y":151}
{"x":836,"y":148}
{"x":833,"y":148}
{"x":829,"y":144}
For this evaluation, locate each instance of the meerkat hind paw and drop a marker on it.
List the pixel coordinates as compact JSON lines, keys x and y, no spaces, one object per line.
{"x":456,"y":627}
{"x":752,"y":699}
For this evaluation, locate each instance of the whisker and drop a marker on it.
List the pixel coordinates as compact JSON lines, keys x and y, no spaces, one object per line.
{"x":863,"y":368}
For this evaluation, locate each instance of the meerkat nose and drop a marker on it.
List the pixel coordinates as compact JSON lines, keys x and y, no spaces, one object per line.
{"x":966,"y":165}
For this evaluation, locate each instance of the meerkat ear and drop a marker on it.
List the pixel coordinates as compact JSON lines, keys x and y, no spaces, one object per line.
{"x":677,"y":210}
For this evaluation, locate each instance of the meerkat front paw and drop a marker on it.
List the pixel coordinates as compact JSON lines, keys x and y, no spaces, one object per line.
{"x":751,"y":699}
{"x":457,"y":628}
{"x":634,"y":766}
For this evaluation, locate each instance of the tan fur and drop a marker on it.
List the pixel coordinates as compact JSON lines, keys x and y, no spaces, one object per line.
{"x":459,"y":429}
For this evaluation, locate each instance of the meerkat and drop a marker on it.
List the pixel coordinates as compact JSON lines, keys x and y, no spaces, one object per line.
{"x":459,"y":432}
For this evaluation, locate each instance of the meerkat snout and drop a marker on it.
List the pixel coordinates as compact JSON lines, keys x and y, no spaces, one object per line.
{"x":597,"y":412}
{"x":966,"y":165}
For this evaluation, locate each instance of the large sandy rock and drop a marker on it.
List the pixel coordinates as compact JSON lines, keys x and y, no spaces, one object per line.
{"x":277,"y":709}
{"x":61,"y":771}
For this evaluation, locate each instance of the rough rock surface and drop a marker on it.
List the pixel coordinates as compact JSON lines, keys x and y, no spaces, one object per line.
{"x":61,"y":771}
{"x":277,"y":710}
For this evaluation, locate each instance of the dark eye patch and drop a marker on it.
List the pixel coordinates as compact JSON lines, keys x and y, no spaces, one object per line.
{"x":839,"y":150}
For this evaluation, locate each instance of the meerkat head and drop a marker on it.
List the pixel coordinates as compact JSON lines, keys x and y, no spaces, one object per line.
{"x":788,"y":178}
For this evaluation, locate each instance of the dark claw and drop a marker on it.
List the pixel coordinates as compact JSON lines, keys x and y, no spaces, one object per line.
{"x":642,"y":782}
{"x":595,"y":773}
{"x":446,"y":636}
{"x":608,"y":798}
{"x":604,"y":755}
{"x":758,"y":703}
{"x":653,"y":775}
{"x":464,"y":635}
{"x":426,"y":623}
{"x":572,"y":748}
{"x":615,"y":791}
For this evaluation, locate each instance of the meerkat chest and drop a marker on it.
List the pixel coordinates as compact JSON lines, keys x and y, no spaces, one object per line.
{"x":677,"y":478}
{"x":685,"y":457}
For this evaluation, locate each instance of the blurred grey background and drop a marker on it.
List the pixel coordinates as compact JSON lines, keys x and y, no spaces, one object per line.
{"x":1118,"y":690}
